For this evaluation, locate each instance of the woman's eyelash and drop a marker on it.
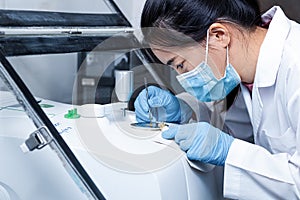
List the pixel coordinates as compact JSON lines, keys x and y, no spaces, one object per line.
{"x":180,"y":66}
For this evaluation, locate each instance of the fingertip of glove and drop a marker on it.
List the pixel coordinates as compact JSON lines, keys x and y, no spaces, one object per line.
{"x":184,"y":146}
{"x":166,"y":134}
{"x":190,"y":155}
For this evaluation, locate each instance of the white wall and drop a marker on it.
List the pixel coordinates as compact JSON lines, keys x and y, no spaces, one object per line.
{"x":44,"y":74}
{"x":132,"y":9}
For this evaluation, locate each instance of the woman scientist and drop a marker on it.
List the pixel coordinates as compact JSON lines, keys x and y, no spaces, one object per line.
{"x":259,"y":54}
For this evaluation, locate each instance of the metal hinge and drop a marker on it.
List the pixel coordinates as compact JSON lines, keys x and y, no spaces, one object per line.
{"x":36,"y":140}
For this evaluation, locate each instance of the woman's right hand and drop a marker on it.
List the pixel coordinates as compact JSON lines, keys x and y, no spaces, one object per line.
{"x":161,"y":102}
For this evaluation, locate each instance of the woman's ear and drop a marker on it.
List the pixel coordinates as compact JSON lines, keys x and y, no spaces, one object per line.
{"x":219,"y":35}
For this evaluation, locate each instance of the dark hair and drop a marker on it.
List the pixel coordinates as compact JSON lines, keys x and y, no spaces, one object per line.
{"x":192,"y":18}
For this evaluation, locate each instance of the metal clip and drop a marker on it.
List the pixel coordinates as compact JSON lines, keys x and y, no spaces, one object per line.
{"x":36,"y":140}
{"x":72,"y":32}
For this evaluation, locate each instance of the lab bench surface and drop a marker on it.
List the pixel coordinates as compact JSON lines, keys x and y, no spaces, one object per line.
{"x":123,"y":162}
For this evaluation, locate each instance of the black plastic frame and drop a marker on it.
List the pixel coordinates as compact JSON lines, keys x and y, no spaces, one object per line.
{"x":68,"y":42}
{"x":26,"y":18}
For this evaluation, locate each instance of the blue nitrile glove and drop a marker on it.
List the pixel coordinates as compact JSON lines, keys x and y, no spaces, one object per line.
{"x":202,"y":142}
{"x":164,"y":104}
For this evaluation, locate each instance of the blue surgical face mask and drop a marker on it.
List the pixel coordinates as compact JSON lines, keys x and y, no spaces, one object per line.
{"x":202,"y":83}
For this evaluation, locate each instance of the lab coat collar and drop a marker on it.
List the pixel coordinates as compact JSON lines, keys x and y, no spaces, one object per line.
{"x":271,"y":50}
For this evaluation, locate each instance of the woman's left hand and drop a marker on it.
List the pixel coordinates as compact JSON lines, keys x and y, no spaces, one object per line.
{"x":201,"y":141}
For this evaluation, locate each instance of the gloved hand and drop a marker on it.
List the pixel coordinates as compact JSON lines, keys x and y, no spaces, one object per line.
{"x":202,"y":142}
{"x":164,"y":104}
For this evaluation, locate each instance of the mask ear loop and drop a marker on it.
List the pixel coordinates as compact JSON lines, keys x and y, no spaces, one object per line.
{"x":206,"y":50}
{"x":227,"y":55}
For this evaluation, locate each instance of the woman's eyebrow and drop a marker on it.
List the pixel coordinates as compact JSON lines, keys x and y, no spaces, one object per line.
{"x":171,"y":61}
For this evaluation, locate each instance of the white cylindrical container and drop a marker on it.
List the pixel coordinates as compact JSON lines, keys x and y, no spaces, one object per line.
{"x":123,"y":84}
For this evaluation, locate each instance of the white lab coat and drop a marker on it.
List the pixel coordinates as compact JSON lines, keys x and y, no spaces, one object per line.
{"x":270,"y":168}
